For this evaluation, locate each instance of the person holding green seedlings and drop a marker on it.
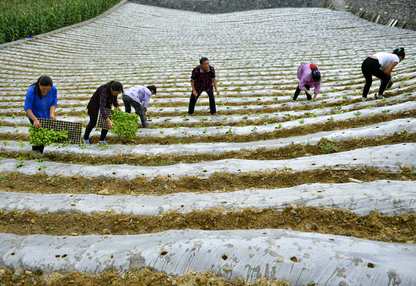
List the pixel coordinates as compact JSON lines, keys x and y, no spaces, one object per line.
{"x":40,"y":103}
{"x":103,"y":98}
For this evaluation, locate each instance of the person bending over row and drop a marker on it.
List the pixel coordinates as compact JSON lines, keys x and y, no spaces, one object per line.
{"x":380,"y":65}
{"x":40,"y":102}
{"x":103,"y":98}
{"x":308,"y":76}
{"x":139,"y":97}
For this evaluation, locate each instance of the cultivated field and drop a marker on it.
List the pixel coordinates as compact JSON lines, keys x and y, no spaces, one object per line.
{"x":312,"y":193}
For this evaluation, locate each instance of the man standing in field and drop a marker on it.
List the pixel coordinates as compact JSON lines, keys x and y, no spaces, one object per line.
{"x":203,"y":79}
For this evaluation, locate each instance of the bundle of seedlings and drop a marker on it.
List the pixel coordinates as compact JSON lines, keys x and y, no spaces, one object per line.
{"x":125,"y":125}
{"x":44,"y":136}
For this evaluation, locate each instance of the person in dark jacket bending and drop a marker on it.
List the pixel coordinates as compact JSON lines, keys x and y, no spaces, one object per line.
{"x":104,"y":98}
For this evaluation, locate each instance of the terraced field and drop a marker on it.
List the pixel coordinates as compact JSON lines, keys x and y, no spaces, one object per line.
{"x":312,"y":193}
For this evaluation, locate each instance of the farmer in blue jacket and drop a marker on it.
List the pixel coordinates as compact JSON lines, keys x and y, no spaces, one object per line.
{"x":41,"y":102}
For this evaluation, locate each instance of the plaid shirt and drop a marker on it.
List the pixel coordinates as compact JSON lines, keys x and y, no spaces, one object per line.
{"x":203,"y":80}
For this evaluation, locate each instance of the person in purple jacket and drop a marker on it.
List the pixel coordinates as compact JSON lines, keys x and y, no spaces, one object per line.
{"x":40,"y":102}
{"x":309,"y":76}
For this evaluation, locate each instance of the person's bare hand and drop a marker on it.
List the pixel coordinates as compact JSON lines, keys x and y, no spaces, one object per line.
{"x":194,"y":93}
{"x":36,"y":123}
{"x":109,"y":124}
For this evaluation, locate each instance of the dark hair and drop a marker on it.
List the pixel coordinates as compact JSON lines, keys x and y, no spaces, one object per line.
{"x":116,"y":86}
{"x":400,"y":53}
{"x":316,"y":75}
{"x":152,"y":88}
{"x":203,"y":60}
{"x":44,"y":80}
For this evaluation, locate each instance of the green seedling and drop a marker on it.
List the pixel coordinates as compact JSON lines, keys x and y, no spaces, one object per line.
{"x":125,"y":125}
{"x":44,"y":137}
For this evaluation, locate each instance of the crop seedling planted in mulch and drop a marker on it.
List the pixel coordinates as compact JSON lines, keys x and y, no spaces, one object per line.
{"x":125,"y":124}
{"x":44,"y":137}
{"x":328,"y":146}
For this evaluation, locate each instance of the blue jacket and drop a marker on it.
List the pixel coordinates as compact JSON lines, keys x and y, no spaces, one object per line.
{"x":40,"y":105}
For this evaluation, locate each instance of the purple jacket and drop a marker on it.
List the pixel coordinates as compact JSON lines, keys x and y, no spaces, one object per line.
{"x":305,"y":78}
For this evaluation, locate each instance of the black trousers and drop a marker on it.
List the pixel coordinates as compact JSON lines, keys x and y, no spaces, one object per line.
{"x":297,"y":92}
{"x":91,"y":125}
{"x":38,"y":149}
{"x":371,"y":67}
{"x":194,"y":99}
{"x":138,"y":108}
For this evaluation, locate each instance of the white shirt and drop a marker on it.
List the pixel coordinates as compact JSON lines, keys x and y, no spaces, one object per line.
{"x":140,"y":94}
{"x":385,"y":59}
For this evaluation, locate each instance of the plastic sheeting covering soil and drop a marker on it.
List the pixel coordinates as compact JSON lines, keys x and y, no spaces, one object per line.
{"x":387,"y":197}
{"x":388,"y":128}
{"x":299,"y":258}
{"x":388,"y":157}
